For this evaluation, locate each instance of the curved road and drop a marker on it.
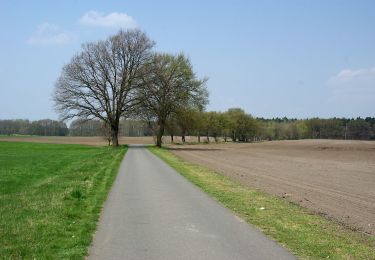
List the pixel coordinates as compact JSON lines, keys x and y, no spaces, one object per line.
{"x":152,"y":212}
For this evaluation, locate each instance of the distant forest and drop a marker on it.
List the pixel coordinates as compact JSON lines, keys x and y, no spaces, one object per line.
{"x":48,"y":127}
{"x":316,"y":128}
{"x":45,"y":127}
{"x":234,"y":124}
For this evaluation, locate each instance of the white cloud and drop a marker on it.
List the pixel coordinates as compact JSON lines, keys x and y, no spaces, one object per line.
{"x":353,"y":90}
{"x":360,"y":80}
{"x":347,"y":74}
{"x":111,"y":20}
{"x":50,"y":34}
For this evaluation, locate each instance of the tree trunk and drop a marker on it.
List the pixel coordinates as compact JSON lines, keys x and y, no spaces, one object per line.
{"x":208,"y":138}
{"x":183,"y":138}
{"x":160,"y":135}
{"x":172,"y":138}
{"x":114,"y":134}
{"x":199,"y":138}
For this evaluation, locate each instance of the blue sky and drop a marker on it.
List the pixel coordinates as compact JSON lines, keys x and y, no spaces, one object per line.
{"x":273,"y":58}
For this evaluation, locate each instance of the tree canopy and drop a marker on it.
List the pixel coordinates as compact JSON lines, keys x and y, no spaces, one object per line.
{"x":102,"y":81}
{"x":170,"y":85}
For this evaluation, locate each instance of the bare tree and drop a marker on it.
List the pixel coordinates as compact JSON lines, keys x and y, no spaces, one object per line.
{"x":170,"y":84}
{"x":102,"y":81}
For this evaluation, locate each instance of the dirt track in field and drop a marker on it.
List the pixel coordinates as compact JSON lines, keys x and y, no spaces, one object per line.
{"x":94,"y":140}
{"x":335,"y":178}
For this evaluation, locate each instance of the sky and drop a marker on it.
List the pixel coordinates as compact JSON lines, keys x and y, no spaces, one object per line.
{"x":294,"y":58}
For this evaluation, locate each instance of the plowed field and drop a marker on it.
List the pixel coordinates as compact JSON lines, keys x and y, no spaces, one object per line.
{"x":331,"y":177}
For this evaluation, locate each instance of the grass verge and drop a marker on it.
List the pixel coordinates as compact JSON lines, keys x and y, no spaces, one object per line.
{"x":51,"y":197}
{"x":307,"y":235}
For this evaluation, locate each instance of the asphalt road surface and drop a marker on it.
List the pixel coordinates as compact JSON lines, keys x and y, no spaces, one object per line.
{"x":152,"y":212}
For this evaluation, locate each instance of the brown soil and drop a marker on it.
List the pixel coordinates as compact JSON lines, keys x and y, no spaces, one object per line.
{"x":334,"y":178}
{"x":95,"y":140}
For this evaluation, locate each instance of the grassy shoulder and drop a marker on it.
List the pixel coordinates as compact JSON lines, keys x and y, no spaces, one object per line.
{"x":51,"y":197}
{"x":304,"y":233}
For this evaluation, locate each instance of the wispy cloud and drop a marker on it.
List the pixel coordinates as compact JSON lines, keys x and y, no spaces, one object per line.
{"x":347,"y":74}
{"x":50,"y":34}
{"x":111,"y":20}
{"x":355,"y":86}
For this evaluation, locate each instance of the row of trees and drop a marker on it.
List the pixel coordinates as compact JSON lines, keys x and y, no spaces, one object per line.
{"x":237,"y":125}
{"x":232,"y":125}
{"x":46,"y":127}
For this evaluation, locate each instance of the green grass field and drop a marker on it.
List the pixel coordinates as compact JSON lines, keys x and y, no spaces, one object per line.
{"x":304,"y":233}
{"x":51,"y":196}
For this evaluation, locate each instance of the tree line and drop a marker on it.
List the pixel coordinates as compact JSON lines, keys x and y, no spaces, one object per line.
{"x":48,"y":127}
{"x":238,"y":126}
{"x":45,"y":127}
{"x":232,"y":125}
{"x":316,"y":128}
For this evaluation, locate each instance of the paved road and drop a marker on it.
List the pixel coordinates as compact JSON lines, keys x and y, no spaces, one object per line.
{"x":152,"y":212}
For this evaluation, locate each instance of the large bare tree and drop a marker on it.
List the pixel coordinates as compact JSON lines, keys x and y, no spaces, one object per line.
{"x":170,"y":85}
{"x":102,"y":81}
